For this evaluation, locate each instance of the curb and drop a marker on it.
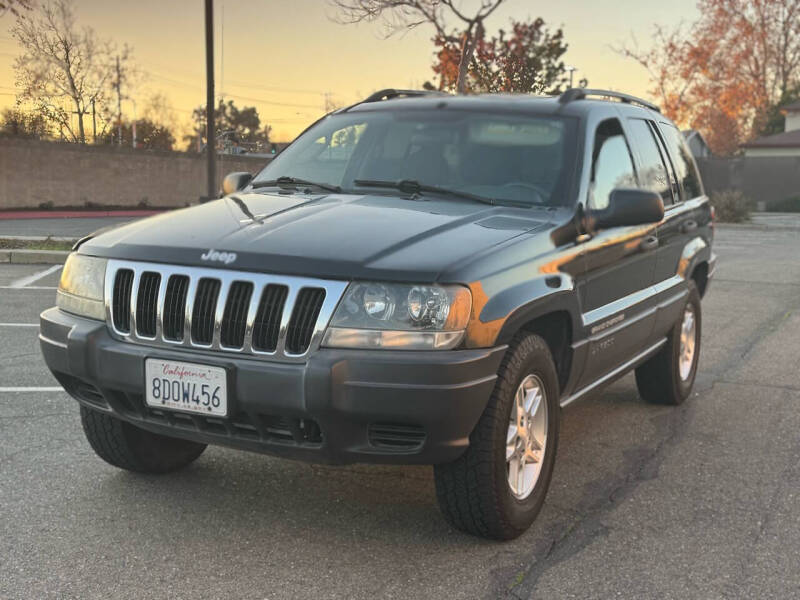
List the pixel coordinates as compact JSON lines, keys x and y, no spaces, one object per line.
{"x":757,"y":226}
{"x":33,"y":257}
{"x":76,"y":214}
{"x":38,"y":238}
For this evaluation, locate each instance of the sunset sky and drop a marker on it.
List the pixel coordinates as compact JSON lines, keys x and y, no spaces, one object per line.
{"x":283,"y":56}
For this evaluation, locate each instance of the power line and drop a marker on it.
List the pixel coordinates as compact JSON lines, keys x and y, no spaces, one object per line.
{"x":272,"y":103}
{"x":236,"y":96}
{"x":195,"y":86}
{"x":274,"y":89}
{"x":234,"y":84}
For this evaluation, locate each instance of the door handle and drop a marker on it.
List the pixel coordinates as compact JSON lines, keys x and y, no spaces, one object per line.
{"x":689,"y":226}
{"x":649,"y":243}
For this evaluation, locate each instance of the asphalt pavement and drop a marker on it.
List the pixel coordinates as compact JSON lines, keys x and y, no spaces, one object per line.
{"x":699,"y":501}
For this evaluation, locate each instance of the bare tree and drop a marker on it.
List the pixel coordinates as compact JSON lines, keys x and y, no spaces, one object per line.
{"x":63,"y":70}
{"x":14,"y":6}
{"x":403,"y":15}
{"x":729,"y":70}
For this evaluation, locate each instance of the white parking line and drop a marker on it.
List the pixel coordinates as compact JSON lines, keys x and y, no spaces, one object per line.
{"x":25,"y":281}
{"x":19,"y":324}
{"x":31,"y":389}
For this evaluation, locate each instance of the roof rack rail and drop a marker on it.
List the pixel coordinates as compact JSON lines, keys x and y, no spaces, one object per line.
{"x":581,"y":93}
{"x":390,"y":93}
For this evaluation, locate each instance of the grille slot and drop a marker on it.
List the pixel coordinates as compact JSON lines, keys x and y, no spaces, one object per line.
{"x":267,"y":325}
{"x":396,"y":436}
{"x":175,"y":307}
{"x":146,"y":302}
{"x":121,"y":314}
{"x":234,"y":319}
{"x":205,"y":307}
{"x":304,"y":317}
{"x":275,"y":317}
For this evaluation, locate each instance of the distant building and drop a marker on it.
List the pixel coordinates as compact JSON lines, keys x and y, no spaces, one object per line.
{"x":780,"y":144}
{"x":792,"y":114}
{"x":697,"y":143}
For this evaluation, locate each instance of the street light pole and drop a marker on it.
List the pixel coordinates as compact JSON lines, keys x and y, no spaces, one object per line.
{"x":571,"y":73}
{"x":211,"y":142}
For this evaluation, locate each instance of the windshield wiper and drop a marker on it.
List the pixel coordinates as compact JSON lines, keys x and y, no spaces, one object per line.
{"x":412,"y":186}
{"x":294,"y":181}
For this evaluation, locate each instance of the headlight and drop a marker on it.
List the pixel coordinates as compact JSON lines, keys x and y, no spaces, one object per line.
{"x":401,"y":316}
{"x":80,"y":290}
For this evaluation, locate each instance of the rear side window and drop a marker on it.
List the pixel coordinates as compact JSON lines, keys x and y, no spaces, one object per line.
{"x":652,"y":171}
{"x":612,"y":166}
{"x":685,"y":168}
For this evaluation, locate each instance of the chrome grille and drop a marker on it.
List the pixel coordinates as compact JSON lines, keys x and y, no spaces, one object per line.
{"x":146,"y":300}
{"x":123,"y":284}
{"x":234,"y":319}
{"x":205,"y":307}
{"x":268,"y":318}
{"x":278,"y":317}
{"x":304,"y":316}
{"x":175,"y":307}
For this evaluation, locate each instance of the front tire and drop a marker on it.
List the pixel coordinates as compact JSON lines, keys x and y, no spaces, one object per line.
{"x":497,"y":487}
{"x":668,"y":377}
{"x":126,"y":446}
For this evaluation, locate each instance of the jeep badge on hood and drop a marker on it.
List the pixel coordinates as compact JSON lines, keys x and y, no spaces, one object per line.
{"x":215,"y":256}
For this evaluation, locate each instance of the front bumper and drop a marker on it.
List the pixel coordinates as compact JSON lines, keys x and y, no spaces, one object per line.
{"x":341,"y":406}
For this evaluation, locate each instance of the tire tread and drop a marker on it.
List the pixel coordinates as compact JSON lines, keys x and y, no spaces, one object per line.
{"x":115,"y":441}
{"x":466,"y":501}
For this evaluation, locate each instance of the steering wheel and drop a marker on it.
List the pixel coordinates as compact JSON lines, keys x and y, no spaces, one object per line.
{"x":540,"y":192}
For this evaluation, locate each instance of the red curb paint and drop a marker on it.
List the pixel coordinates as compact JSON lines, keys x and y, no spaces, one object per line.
{"x":75,"y":214}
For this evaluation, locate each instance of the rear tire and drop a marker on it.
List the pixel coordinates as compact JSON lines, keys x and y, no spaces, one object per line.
{"x":662,"y":379}
{"x":475,"y":491}
{"x":126,"y":446}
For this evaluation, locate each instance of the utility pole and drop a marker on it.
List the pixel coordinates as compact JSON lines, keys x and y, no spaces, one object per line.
{"x":199,"y":133}
{"x":119,"y":105}
{"x":133,"y":125}
{"x":211,"y":142}
{"x":571,"y":73}
{"x":94,"y":124}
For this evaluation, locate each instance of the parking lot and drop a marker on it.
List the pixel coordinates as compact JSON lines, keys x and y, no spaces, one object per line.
{"x":699,"y":501}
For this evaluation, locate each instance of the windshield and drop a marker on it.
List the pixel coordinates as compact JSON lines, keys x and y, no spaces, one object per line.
{"x":503,"y":157}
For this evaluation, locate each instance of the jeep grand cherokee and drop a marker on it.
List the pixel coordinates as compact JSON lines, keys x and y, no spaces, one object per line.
{"x":418,"y":278}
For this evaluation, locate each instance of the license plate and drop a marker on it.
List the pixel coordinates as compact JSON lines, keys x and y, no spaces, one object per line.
{"x":186,"y":387}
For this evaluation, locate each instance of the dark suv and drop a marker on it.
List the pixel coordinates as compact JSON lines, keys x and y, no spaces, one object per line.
{"x":418,"y":279}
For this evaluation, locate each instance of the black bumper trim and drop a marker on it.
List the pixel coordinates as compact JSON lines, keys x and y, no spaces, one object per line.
{"x":343,"y":392}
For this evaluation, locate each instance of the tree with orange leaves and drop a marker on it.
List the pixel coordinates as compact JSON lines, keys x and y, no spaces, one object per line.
{"x":528,"y":58}
{"x":725,"y":73}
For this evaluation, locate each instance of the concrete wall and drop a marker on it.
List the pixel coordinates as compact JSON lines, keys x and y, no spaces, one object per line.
{"x":759,"y":178}
{"x":33,"y":174}
{"x":36,"y":173}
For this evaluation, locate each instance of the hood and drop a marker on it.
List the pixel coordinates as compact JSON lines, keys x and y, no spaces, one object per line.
{"x":334,"y":236}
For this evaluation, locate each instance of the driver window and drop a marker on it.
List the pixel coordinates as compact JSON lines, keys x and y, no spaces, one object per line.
{"x":612,"y":165}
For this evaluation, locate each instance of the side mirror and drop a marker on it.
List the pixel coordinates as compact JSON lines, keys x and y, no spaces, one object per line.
{"x":234,"y":182}
{"x":627,"y":206}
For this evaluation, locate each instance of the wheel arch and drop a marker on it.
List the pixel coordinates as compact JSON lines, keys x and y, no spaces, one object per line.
{"x":555,"y":327}
{"x":699,"y":275}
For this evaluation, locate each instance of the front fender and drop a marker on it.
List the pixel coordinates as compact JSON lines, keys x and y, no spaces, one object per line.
{"x":496,"y":320}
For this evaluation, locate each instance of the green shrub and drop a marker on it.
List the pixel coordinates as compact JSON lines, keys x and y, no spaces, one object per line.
{"x":731,"y":206}
{"x":791,"y":205}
